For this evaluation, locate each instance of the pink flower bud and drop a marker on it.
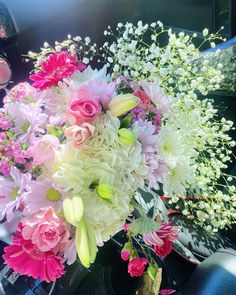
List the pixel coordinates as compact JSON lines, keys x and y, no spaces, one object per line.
{"x":126,"y":251}
{"x":125,"y":255}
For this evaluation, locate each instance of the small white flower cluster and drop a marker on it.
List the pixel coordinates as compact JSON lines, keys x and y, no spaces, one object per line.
{"x":183,"y":73}
{"x":175,"y":64}
{"x":208,"y":136}
{"x":226,"y":61}
{"x":79,"y":46}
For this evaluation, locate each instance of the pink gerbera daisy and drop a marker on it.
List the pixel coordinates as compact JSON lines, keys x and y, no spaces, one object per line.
{"x":58,"y":66}
{"x":25,"y":258}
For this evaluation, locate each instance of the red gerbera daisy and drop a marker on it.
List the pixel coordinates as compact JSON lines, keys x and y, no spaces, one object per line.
{"x":58,"y":66}
{"x":26,"y":259}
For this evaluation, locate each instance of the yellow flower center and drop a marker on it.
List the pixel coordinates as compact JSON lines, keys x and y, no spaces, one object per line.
{"x":53,"y":195}
{"x":25,"y":126}
{"x":14,"y":193}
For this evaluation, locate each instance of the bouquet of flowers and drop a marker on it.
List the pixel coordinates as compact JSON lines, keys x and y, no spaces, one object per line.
{"x":78,"y":143}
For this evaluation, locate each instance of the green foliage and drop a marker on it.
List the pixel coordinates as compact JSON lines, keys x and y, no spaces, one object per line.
{"x":143,"y":225}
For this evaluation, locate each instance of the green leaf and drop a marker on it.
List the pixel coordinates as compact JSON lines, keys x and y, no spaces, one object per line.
{"x":152,"y":271}
{"x":10,"y":134}
{"x":51,"y":130}
{"x":143,"y":225}
{"x":24,"y":146}
{"x":126,"y":121}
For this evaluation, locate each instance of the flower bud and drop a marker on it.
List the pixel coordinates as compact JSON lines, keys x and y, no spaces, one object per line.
{"x":125,"y":252}
{"x":121,"y":104}
{"x":73,"y":210}
{"x":125,"y":255}
{"x":85,"y":243}
{"x":127,"y":136}
{"x":105,"y":191}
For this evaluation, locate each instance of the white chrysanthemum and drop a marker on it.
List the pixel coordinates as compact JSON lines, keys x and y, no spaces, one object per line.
{"x":178,"y":179}
{"x":77,"y":79}
{"x":88,"y":74}
{"x":104,"y":159}
{"x":172,"y":146}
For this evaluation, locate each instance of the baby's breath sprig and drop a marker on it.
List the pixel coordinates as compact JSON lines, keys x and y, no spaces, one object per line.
{"x":184,"y":73}
{"x":81,"y":47}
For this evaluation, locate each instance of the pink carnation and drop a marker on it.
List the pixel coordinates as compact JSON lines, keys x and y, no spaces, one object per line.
{"x":78,"y":134}
{"x":43,"y":149}
{"x":136,"y":266}
{"x":58,"y":66}
{"x":145,"y":101}
{"x":25,"y":258}
{"x":82,"y":108}
{"x":5,"y":122}
{"x":19,"y":92}
{"x":46,"y":231}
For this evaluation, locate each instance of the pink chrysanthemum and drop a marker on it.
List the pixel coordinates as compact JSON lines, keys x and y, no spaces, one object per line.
{"x":58,"y":66}
{"x":25,"y":258}
{"x":147,"y":136}
{"x":42,"y":195}
{"x":12,"y":192}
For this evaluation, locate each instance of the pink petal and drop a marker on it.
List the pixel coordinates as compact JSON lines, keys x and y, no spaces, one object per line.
{"x":167,"y":291}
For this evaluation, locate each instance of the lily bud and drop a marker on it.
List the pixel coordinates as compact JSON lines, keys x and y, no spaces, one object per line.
{"x":121,"y":104}
{"x":73,"y":210}
{"x":105,"y":191}
{"x":85,"y":243}
{"x":127,"y":136}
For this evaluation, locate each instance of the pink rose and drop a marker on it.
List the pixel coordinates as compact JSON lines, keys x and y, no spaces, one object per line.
{"x":164,"y":249}
{"x":46,"y":231}
{"x":78,"y":134}
{"x":125,"y":255}
{"x":43,"y":149}
{"x":100,"y":90}
{"x":136,"y":266}
{"x":82,"y":108}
